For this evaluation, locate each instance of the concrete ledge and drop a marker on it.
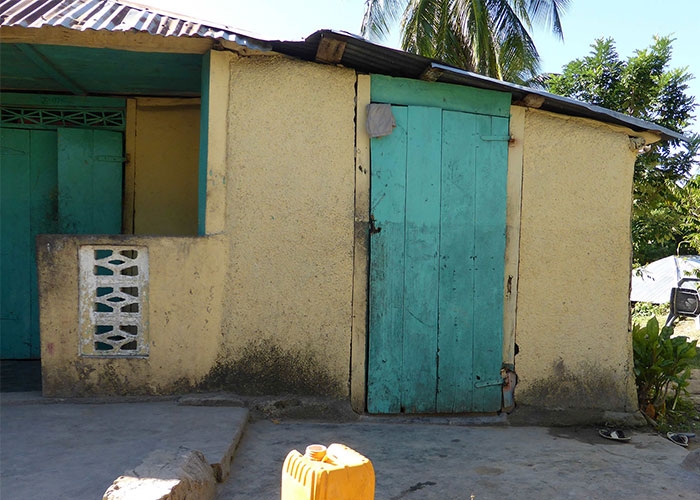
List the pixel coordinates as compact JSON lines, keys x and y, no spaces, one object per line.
{"x":166,"y":475}
{"x":220,"y":451}
{"x":222,"y":468}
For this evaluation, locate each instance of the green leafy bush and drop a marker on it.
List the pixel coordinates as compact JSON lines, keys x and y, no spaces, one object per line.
{"x":661,"y":364}
{"x":642,"y":311}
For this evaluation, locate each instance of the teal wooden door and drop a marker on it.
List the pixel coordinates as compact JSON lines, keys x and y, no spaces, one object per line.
{"x":438,"y":198}
{"x":90,"y":181}
{"x":27,"y":207}
{"x":65,"y":180}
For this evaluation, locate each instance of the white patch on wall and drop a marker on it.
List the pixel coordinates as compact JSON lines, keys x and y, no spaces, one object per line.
{"x":113,"y":300}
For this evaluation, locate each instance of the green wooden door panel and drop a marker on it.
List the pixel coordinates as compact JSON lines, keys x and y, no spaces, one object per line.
{"x":89,"y":181}
{"x":43,"y":218}
{"x":421,"y":242}
{"x":28,"y":208}
{"x":409,"y":92}
{"x":72,"y":173}
{"x":388,"y":200}
{"x":457,"y":251}
{"x":436,"y":280}
{"x":15,"y":158}
{"x":490,"y":211}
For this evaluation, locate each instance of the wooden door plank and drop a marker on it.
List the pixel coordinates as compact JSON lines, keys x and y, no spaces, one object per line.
{"x":43,"y":215}
{"x":410,"y":92}
{"x":75,"y":182}
{"x":490,"y":211}
{"x":388,"y":187}
{"x":89,"y":181}
{"x":107,"y":181}
{"x":15,"y":248}
{"x":457,"y":251}
{"x":419,"y":372}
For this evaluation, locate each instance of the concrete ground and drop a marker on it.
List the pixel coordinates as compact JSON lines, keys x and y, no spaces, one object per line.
{"x":70,"y":450}
{"x":428,"y":461}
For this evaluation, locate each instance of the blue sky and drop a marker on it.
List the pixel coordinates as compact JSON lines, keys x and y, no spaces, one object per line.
{"x":631,"y":23}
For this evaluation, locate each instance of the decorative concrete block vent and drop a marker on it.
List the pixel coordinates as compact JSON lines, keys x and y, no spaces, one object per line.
{"x":113,"y":300}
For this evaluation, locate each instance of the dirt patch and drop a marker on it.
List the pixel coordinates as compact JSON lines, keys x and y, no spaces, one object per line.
{"x":686,"y":327}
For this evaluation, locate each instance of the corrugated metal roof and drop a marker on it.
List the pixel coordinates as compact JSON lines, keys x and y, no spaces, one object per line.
{"x":357,"y":53}
{"x":112,"y":15}
{"x":371,"y":58}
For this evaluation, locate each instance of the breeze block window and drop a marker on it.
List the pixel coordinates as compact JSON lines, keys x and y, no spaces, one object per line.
{"x":113,"y":300}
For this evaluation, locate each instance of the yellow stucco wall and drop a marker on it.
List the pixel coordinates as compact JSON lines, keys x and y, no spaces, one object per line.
{"x":289,"y":225}
{"x":573,"y":290}
{"x":184,"y":314}
{"x":263,"y":304}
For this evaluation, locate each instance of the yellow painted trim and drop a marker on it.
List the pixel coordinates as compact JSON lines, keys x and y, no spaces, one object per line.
{"x":513,"y":212}
{"x":219,"y":88}
{"x":129,"y":168}
{"x":119,"y":40}
{"x":361,"y":249}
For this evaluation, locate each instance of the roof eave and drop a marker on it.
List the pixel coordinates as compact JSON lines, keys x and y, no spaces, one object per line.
{"x":366,"y":56}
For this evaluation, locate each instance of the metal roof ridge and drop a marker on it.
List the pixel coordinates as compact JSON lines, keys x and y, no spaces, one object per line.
{"x":568,"y":100}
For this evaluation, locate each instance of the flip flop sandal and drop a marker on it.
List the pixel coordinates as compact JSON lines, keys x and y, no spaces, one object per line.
{"x":678,"y":438}
{"x":613,"y":434}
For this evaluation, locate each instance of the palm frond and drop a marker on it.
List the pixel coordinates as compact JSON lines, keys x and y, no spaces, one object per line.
{"x":379,"y":16}
{"x":548,"y":13}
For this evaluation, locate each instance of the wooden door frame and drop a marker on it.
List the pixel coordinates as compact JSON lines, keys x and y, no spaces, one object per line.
{"x":458,"y":98}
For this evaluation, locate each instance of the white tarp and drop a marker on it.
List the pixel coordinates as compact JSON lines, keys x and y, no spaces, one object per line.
{"x":653,"y":282}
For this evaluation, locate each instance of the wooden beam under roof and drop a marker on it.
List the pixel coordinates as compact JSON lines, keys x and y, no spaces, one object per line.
{"x":119,"y":40}
{"x":330,"y":51}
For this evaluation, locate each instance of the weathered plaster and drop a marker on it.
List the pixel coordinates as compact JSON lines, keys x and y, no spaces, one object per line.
{"x":513,"y":206}
{"x":358,"y":379}
{"x":185,"y":314}
{"x":289,"y":215}
{"x":263,"y":366}
{"x":573,"y":290}
{"x":217,"y":129}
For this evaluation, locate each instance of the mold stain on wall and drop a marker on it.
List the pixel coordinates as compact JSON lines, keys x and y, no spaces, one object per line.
{"x":589,"y":386}
{"x":263,"y":367}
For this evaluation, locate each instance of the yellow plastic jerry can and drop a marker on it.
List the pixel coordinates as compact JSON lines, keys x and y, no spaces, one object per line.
{"x":333,"y":473}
